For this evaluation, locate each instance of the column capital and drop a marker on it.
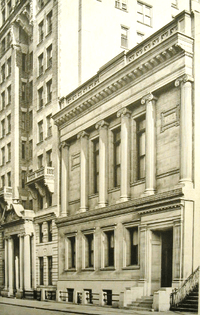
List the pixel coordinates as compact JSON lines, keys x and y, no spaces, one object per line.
{"x":21,"y":234}
{"x":183,"y":79}
{"x":63,"y":144}
{"x":101,"y":124}
{"x":124,"y":112}
{"x":148,"y":98}
{"x":82,"y":134}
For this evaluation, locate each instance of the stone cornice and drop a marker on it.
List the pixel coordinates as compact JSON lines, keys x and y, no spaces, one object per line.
{"x":122,"y":79}
{"x":158,"y":202}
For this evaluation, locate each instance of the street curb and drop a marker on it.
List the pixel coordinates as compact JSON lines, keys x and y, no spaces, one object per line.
{"x":50,"y":309}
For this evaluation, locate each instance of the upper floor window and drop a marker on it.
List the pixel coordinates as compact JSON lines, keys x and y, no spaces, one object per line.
{"x":23,"y":179}
{"x":40,"y":4}
{"x":117,"y":156}
{"x":9,"y":66}
{"x":3,"y":156}
{"x":40,"y":160}
{"x":3,"y":13}
{"x":3,"y":45}
{"x":23,"y":62}
{"x":3,"y":131}
{"x":9,"y":94}
{"x":2,"y":180}
{"x":40,"y":64}
{"x":23,"y":120}
{"x":124,"y":36}
{"x":23,"y":91}
{"x":140,"y":126}
{"x":49,"y":224}
{"x":23,"y":149}
{"x":9,"y":123}
{"x":49,"y":158}
{"x":49,"y":126}
{"x":41,"y":31}
{"x":9,"y":179}
{"x":40,"y":97}
{"x":49,"y":91}
{"x":40,"y":225}
{"x":30,"y":149}
{"x":8,"y":40}
{"x":30,"y":120}
{"x":3,"y":72}
{"x":121,"y":4}
{"x":9,"y":151}
{"x":9,"y":7}
{"x":96,"y":164}
{"x":49,"y":22}
{"x":40,"y":131}
{"x":3,"y":102}
{"x":49,"y":56}
{"x":144,"y":13}
{"x":31,"y":61}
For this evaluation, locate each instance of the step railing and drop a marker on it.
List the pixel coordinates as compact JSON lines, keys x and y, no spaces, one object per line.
{"x":188,"y":286}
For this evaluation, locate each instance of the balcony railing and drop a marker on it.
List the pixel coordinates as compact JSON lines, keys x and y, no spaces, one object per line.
{"x":5,"y":190}
{"x":43,"y":171}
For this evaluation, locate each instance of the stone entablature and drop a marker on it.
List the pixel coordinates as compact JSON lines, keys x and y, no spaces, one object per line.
{"x":155,"y":203}
{"x":160,"y":47}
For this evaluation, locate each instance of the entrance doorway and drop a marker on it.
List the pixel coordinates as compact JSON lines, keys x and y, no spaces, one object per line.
{"x":161,"y":259}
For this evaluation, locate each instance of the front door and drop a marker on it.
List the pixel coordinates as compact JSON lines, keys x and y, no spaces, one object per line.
{"x":167,"y":245}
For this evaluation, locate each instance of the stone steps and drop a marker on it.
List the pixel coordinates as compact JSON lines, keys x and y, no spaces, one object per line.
{"x":189,"y":304}
{"x":144,"y":303}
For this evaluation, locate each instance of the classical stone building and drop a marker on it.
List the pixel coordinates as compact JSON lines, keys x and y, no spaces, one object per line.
{"x":129,"y":216}
{"x":47,"y":49}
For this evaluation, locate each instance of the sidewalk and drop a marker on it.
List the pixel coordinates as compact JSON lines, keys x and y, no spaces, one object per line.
{"x":78,"y":309}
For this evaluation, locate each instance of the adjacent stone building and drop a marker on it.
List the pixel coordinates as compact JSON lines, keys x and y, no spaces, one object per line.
{"x":129,"y":215}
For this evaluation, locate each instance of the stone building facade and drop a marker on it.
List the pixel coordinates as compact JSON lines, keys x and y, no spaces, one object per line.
{"x":48,"y":48}
{"x":128,"y":224}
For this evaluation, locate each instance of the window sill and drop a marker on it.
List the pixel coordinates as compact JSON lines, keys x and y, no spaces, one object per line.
{"x":121,"y":9}
{"x":138,"y":182}
{"x":48,"y":68}
{"x":48,"y":137}
{"x":134,"y":267}
{"x":40,"y":75}
{"x":144,"y":24}
{"x":40,"y":142}
{"x":70,"y":270}
{"x":93,"y":196}
{"x":88,"y":269}
{"x":113,"y":189}
{"x":48,"y":34}
{"x":108,"y":269}
{"x":39,"y":109}
{"x":40,"y":42}
{"x":48,"y":103}
{"x":174,"y":6}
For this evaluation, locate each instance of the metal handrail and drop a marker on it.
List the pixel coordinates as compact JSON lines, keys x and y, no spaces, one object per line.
{"x":188,"y":286}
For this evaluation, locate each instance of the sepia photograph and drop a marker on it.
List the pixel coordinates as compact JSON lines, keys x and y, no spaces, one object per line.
{"x":99,"y":157}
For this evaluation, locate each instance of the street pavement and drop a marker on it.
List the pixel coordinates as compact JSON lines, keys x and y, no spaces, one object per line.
{"x":68,"y":308}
